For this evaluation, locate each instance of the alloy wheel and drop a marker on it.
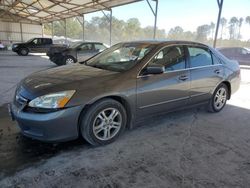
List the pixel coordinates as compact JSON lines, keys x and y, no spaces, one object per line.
{"x":220,"y":98}
{"x":69,"y":61}
{"x":107,"y":124}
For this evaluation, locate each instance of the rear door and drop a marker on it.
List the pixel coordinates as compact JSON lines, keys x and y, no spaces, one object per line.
{"x":166,"y":91}
{"x":85,"y":51}
{"x":206,"y":73}
{"x":46,"y":43}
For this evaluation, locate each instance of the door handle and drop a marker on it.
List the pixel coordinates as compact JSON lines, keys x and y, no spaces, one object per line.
{"x":183,"y":77}
{"x":217,"y":71}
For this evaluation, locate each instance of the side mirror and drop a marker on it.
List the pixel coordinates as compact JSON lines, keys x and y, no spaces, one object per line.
{"x":154,"y":69}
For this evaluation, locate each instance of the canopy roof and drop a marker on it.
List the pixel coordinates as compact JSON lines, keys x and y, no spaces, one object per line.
{"x":43,"y":11}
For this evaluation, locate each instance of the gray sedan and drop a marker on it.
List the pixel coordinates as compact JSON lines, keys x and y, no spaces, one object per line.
{"x":100,"y":98}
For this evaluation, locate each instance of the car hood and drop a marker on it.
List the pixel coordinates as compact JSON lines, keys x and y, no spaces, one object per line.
{"x":70,"y":77}
{"x":19,"y":43}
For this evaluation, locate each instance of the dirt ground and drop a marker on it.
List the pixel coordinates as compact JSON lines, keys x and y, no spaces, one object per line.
{"x":190,"y":148}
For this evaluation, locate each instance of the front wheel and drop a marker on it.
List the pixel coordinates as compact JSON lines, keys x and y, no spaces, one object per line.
{"x":23,"y":52}
{"x":219,"y":98}
{"x":103,"y":122}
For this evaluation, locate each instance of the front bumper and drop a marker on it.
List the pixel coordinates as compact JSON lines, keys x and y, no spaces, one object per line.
{"x":56,"y":126}
{"x":15,"y":49}
{"x":56,"y":58}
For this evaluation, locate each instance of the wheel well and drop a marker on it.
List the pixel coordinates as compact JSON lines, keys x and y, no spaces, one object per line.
{"x":117,"y":98}
{"x":125,"y":105}
{"x":228,"y":87}
{"x":70,"y":57}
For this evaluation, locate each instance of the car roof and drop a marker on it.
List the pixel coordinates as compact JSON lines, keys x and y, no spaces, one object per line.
{"x":165,"y":42}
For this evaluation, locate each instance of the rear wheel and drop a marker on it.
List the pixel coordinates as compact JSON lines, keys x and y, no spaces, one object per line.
{"x":219,"y":98}
{"x":23,"y":52}
{"x":103,"y":122}
{"x":69,"y":60}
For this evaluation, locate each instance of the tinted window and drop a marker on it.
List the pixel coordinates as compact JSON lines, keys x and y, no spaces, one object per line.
{"x":86,"y":47}
{"x":99,"y":47}
{"x":216,"y":60}
{"x":37,"y":41}
{"x":47,"y":41}
{"x":172,"y":58}
{"x":199,"y":57}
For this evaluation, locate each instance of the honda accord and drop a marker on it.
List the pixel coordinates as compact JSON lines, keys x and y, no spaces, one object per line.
{"x":100,"y":98}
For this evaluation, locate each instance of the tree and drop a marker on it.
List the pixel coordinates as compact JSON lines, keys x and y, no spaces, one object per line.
{"x":233,"y":27}
{"x":223,"y":23}
{"x":248,"y":20}
{"x":212,"y":26}
{"x":240,"y":25}
{"x":202,"y":32}
{"x":175,"y":33}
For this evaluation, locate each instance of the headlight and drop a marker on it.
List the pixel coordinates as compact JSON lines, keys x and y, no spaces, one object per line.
{"x":14,"y":45}
{"x":53,"y":100}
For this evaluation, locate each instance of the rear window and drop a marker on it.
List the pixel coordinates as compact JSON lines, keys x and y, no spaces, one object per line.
{"x":199,"y":57}
{"x":47,"y":41}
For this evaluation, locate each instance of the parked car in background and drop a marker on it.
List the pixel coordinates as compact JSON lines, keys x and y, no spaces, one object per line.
{"x":242,"y":55}
{"x":124,"y":84}
{"x":79,"y":51}
{"x":34,"y":45}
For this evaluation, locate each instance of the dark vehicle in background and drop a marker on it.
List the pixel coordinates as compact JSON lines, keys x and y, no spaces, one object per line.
{"x":120,"y":86}
{"x":34,"y":45}
{"x":79,"y":51}
{"x":242,"y":55}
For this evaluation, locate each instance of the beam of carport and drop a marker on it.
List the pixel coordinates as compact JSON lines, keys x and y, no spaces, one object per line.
{"x":155,"y":13}
{"x":109,"y":17}
{"x":220,"y":5}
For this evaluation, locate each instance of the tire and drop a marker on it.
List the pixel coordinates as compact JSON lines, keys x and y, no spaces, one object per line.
{"x":219,"y":99}
{"x":94,"y":127}
{"x":23,"y":52}
{"x":68,"y":60}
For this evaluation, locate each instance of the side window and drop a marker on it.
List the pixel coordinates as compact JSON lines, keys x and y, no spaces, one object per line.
{"x":199,"y":57}
{"x":86,"y":47}
{"x":46,"y":41}
{"x":99,"y":47}
{"x":216,"y":60}
{"x":35,"y":41}
{"x":244,"y":51}
{"x":172,"y":58}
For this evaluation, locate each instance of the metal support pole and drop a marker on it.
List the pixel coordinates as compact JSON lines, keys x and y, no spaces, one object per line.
{"x":155,"y":13}
{"x":42,"y":30}
{"x":110,"y":28}
{"x":52,"y":29}
{"x":83,"y":27}
{"x":21,"y":30}
{"x":110,"y":24}
{"x":65,"y":30}
{"x":220,"y":5}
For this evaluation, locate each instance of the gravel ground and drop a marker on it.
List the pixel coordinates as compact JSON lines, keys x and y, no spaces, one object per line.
{"x":190,"y":148}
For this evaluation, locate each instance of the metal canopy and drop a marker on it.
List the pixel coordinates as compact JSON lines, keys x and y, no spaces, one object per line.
{"x":43,"y":11}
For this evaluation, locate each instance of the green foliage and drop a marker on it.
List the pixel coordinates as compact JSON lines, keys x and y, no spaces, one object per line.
{"x":97,"y":29}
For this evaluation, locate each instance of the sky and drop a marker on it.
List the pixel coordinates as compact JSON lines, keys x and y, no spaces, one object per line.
{"x":188,"y":14}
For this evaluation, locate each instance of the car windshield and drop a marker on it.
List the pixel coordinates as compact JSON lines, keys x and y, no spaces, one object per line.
{"x":120,"y":57}
{"x":30,"y":40}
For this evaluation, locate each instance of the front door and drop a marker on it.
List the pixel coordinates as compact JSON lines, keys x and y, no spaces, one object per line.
{"x":166,"y":91}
